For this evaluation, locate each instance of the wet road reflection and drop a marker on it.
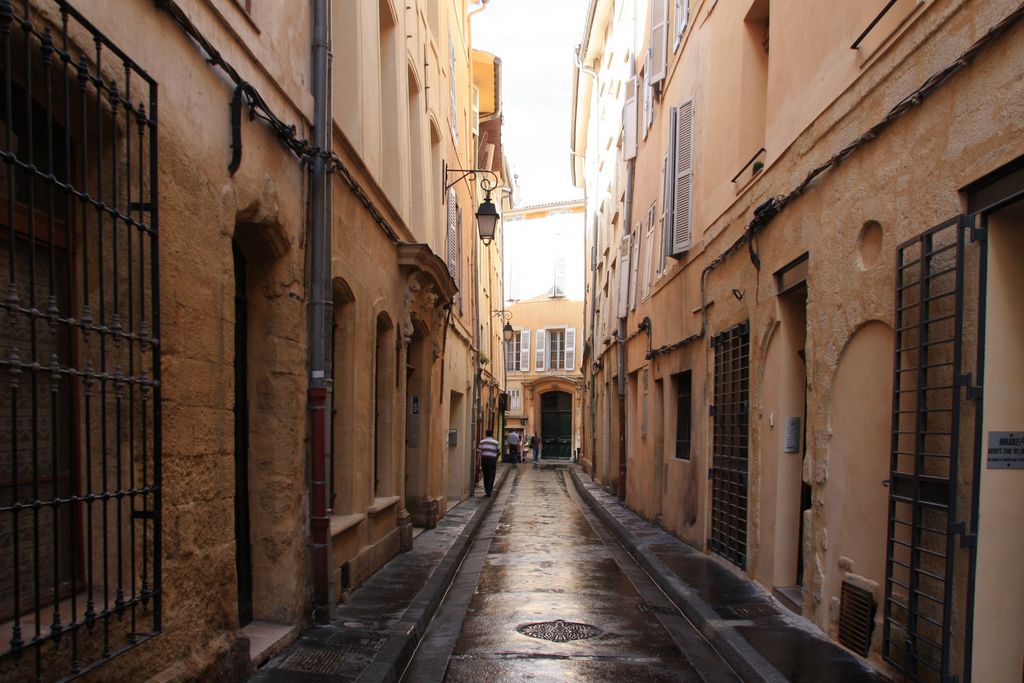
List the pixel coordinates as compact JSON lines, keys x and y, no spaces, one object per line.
{"x":539,"y":560}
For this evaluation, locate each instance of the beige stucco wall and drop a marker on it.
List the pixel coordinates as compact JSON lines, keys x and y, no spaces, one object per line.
{"x":820,"y":96}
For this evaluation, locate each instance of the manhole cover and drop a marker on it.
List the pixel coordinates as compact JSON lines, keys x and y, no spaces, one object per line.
{"x":559,"y":631}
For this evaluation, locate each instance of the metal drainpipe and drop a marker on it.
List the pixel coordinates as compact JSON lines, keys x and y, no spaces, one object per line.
{"x":627,"y":221}
{"x":320,"y":310}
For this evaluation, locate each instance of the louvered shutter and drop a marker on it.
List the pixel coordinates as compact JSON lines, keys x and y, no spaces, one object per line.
{"x":682,"y":19}
{"x":541,"y":358}
{"x":659,"y":40}
{"x":524,"y":352}
{"x":624,"y":276}
{"x":682,"y":194}
{"x":648,"y":258}
{"x":452,"y":241}
{"x":570,"y":349}
{"x":559,"y":285}
{"x":666,"y":198}
{"x":629,"y":120}
{"x":634,"y":266}
{"x":669,"y":190}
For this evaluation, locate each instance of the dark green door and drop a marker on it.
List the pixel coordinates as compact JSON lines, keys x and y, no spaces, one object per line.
{"x":556,"y":425}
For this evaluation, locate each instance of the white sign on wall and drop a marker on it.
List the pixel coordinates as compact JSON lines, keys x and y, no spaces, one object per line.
{"x":1006,"y":450}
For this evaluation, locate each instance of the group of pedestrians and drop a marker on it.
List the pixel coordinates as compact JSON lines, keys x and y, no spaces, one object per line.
{"x":489,"y":450}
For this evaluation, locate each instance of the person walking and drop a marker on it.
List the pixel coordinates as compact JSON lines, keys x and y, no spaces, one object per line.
{"x":488,"y":450}
{"x":535,"y":447}
{"x":513,"y":447}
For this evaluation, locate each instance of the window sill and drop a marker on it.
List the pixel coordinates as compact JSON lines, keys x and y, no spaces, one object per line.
{"x":342,"y":523}
{"x":381,"y":504}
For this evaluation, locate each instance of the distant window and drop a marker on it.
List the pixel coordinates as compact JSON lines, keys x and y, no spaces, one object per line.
{"x":556,"y":349}
{"x":683,"y":383}
{"x":514,"y":352}
{"x":451,"y":87}
{"x":516,"y":397}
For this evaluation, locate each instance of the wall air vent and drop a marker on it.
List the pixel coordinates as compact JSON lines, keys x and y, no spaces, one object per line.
{"x":856,"y":618}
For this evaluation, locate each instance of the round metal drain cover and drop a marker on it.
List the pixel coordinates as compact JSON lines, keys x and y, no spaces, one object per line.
{"x":559,"y":631}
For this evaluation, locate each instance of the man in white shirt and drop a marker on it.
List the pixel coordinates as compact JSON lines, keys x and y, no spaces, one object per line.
{"x":513,"y":447}
{"x":488,"y":449}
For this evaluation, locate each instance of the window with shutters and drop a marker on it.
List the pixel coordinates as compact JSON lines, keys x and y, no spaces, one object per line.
{"x":682,"y":18}
{"x":634,"y":266}
{"x":558,"y":285}
{"x":682,"y":384}
{"x":517,"y":351}
{"x":451,"y":246}
{"x":645,"y":282}
{"x":623,"y":266}
{"x":556,"y":349}
{"x":648,"y":97}
{"x":679,"y":237}
{"x":515,"y":400}
{"x":656,"y":65}
{"x":754,"y":92}
{"x":542,"y":359}
{"x":629,"y":121}
{"x":452,"y":89}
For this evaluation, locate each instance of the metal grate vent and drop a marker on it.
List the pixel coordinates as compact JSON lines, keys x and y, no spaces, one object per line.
{"x":856,"y":618}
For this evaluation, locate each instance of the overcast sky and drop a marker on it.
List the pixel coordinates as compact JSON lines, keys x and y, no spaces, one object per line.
{"x":535,"y":41}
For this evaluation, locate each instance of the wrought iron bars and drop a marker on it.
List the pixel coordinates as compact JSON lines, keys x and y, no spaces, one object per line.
{"x":79,"y":352}
{"x":730,"y":444}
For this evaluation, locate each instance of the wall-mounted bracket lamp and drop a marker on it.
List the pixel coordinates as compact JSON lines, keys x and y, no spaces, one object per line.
{"x":487,"y":213}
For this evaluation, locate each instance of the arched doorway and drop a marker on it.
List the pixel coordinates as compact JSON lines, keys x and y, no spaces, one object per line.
{"x":556,"y":425}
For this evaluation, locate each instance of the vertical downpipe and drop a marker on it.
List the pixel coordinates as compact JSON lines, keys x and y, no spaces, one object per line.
{"x":627,"y":222}
{"x":320,"y":309}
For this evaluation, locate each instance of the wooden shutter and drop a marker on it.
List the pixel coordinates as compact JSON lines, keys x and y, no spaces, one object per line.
{"x":524,"y":352}
{"x":682,"y":194}
{"x":659,"y":41}
{"x":634,"y":266}
{"x":666,"y":198}
{"x":624,"y":276}
{"x":648,"y":256}
{"x":570,"y":349}
{"x":541,"y":358}
{"x":629,"y":121}
{"x":669,"y":190}
{"x":558,"y":289}
{"x":682,"y":19}
{"x":452,"y":241}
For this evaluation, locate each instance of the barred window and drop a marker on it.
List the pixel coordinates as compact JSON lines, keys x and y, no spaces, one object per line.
{"x":79,"y":360}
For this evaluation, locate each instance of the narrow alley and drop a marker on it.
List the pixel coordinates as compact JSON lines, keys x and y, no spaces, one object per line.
{"x":540,"y":583}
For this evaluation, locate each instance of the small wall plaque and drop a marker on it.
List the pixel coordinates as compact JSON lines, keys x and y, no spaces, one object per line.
{"x":1006,"y":450}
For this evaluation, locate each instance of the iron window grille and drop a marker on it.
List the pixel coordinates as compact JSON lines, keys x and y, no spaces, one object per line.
{"x":79,"y":353}
{"x":730,"y":444}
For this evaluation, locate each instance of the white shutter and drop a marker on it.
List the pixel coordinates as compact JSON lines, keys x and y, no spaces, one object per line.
{"x":541,"y":358}
{"x":624,"y":276}
{"x":451,"y":241}
{"x":648,"y":103}
{"x":452,"y":87}
{"x":570,"y":349}
{"x":682,"y":194}
{"x":524,"y":352}
{"x":682,"y":19}
{"x":510,"y":353}
{"x":558,"y":289}
{"x":648,"y":257}
{"x":634,"y":266}
{"x":659,"y":40}
{"x":629,"y":120}
{"x":669,"y":199}
{"x":666,"y":198}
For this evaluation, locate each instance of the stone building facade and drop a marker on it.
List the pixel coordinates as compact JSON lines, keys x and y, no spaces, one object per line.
{"x":544,"y":297}
{"x":799,"y":287}
{"x":158,"y":478}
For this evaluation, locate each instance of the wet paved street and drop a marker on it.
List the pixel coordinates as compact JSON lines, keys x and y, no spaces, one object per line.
{"x":542,"y":556}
